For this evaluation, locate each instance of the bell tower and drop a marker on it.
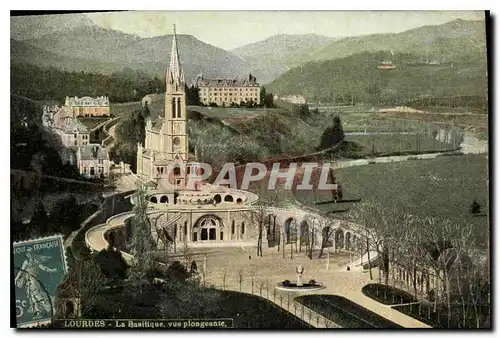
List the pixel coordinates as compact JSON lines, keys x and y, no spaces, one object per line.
{"x":174,"y":130}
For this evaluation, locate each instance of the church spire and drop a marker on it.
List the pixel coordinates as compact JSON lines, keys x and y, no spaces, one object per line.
{"x":176,"y":73}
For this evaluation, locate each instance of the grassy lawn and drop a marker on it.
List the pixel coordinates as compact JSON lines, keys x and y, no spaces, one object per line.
{"x":441,"y":187}
{"x":439,"y":319}
{"x":345,"y":312}
{"x":369,"y":121}
{"x":387,"y":294}
{"x":387,"y":144}
{"x":247,"y":311}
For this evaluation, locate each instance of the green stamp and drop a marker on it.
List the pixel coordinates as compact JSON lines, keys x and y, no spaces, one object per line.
{"x":39,"y":266}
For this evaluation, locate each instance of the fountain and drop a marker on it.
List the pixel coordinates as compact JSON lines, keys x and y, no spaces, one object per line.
{"x":300,"y":286}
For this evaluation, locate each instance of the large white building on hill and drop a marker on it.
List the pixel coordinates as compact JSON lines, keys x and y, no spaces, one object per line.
{"x":223,"y":92}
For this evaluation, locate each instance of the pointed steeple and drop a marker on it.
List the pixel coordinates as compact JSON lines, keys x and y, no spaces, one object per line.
{"x":175,"y":71}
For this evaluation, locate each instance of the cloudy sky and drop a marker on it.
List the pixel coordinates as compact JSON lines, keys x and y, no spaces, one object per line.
{"x":231,"y":29}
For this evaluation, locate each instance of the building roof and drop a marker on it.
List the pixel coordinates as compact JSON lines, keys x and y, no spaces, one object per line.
{"x":93,"y":152}
{"x":226,"y":83}
{"x":72,"y":124}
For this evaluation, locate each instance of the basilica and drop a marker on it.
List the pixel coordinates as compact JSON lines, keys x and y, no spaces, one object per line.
{"x":166,"y":140}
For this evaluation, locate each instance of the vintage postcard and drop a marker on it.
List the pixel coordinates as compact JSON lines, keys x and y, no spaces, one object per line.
{"x":232,"y":170}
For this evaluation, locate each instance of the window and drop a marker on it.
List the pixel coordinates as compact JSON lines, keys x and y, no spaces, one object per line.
{"x":179,"y":107}
{"x":100,"y":161}
{"x":232,"y":228}
{"x":92,"y":171}
{"x":101,"y":170}
{"x":76,"y":142}
{"x":74,"y":135}
{"x":177,"y":171}
{"x":242,"y":228}
{"x":84,"y":170}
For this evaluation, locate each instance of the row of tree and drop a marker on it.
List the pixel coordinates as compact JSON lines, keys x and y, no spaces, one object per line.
{"x":429,"y":248}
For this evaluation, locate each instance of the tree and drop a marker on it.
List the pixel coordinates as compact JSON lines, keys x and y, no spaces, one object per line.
{"x":65,"y":215}
{"x":260,"y":215}
{"x":40,"y":221}
{"x":145,"y":111}
{"x":140,"y":126}
{"x":475,"y":208}
{"x":269,"y":100}
{"x":142,"y":244}
{"x":304,"y":111}
{"x":262,"y":96}
{"x":192,"y":96}
{"x":332,"y":135}
{"x":112,"y":264}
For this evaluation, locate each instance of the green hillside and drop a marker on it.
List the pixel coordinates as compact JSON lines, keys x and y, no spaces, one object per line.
{"x":358,"y":76}
{"x":455,"y":41}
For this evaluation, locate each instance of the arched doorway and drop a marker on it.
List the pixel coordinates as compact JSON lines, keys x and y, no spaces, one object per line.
{"x":208,"y":228}
{"x":339,"y":239}
{"x":153,"y":199}
{"x":348,"y":241}
{"x":228,"y":198}
{"x":69,"y":309}
{"x":273,"y":231}
{"x":290,"y":228}
{"x":164,"y":199}
{"x":217,"y":199}
{"x":304,"y":234}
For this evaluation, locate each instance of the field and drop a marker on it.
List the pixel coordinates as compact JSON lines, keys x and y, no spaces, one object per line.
{"x":385,"y":144}
{"x":441,"y":187}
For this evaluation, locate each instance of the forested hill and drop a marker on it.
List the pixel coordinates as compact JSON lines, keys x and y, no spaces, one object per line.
{"x":53,"y":84}
{"x":454,"y":41}
{"x":358,"y":76}
{"x":109,"y":50}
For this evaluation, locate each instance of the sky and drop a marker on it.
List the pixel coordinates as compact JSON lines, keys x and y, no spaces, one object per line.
{"x":231,"y":29}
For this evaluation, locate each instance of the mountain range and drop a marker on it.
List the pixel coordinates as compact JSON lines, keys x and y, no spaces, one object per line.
{"x":277,"y":54}
{"x":80,"y":45}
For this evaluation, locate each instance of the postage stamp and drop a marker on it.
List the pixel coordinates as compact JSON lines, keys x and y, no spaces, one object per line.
{"x":40,"y":266}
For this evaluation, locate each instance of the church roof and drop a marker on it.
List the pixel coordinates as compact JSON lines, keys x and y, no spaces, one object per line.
{"x":174,"y":68}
